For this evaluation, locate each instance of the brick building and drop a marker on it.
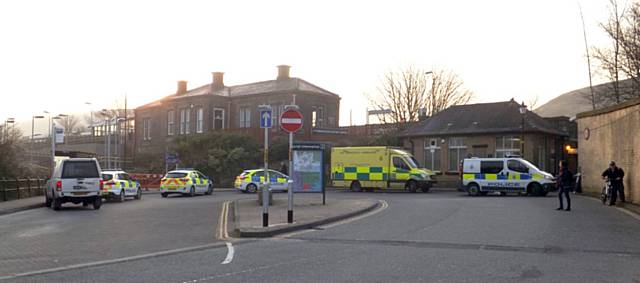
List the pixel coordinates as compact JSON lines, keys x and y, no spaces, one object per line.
{"x":217,"y":107}
{"x":488,"y":130}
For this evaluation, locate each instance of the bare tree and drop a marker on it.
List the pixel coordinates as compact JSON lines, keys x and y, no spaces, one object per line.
{"x":70,"y":124}
{"x":610,"y":57}
{"x":630,"y":46}
{"x":532,"y":103}
{"x":446,"y":90}
{"x":407,"y":94}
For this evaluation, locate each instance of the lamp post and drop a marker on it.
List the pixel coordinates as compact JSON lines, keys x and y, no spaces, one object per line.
{"x":90,"y":117}
{"x":6,"y":128}
{"x":53,"y":141}
{"x":523,"y":111}
{"x":33,"y":118}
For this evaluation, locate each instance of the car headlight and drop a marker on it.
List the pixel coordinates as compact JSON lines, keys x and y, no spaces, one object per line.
{"x":548,"y":177}
{"x":424,"y":176}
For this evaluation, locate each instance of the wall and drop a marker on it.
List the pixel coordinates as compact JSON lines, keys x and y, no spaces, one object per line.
{"x":613,"y":135}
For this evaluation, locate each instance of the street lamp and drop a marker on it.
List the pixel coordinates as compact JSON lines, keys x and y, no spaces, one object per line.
{"x":91,"y":117}
{"x":523,"y":111}
{"x":6,"y":127}
{"x":53,"y":140}
{"x":33,"y":118}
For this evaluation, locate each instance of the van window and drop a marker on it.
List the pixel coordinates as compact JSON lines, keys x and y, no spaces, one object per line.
{"x":515,"y":165}
{"x":399,"y":163}
{"x":124,"y":177}
{"x":491,"y":167}
{"x":413,"y":162}
{"x":80,"y":169}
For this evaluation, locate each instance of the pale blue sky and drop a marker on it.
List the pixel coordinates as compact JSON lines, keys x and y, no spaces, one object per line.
{"x":57,"y":55}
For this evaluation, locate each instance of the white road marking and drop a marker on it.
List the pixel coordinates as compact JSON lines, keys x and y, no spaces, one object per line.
{"x":230,"y":254}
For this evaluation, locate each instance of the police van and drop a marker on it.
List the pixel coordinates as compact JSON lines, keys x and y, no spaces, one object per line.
{"x":481,"y":176}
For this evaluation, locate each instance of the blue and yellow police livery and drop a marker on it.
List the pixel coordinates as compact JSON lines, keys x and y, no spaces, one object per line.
{"x":249,"y":180}
{"x":185,"y":182}
{"x":481,"y":176}
{"x":118,"y":185}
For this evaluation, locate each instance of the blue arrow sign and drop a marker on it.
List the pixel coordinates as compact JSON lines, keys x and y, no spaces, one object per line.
{"x":265,"y":119}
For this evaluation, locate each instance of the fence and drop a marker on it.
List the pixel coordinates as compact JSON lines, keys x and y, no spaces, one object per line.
{"x":21,"y":188}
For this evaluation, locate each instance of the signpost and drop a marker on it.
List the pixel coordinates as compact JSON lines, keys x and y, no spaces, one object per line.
{"x":291,"y":121}
{"x":265,"y":123}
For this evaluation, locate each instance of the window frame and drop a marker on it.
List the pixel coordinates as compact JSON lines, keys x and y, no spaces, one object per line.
{"x":171,"y":121}
{"x":222,"y":118}
{"x":199,"y":120}
{"x":457,"y":145}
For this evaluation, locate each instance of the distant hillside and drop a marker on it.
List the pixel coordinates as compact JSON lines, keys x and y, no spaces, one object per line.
{"x":577,"y":101}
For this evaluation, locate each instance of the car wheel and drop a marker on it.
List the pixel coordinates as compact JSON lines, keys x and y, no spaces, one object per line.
{"x":412,"y":186}
{"x":139,"y":194}
{"x":209,"y":190}
{"x":47,"y":201}
{"x":192,"y":192}
{"x":251,"y":188}
{"x":473,"y":189}
{"x":57,"y":204}
{"x":164,"y":195}
{"x":97,"y":203}
{"x":356,"y":187}
{"x":121,"y":198}
{"x":534,"y":189}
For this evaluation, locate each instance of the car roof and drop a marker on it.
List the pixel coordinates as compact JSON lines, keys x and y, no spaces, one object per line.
{"x":182,"y":171}
{"x":260,"y":170}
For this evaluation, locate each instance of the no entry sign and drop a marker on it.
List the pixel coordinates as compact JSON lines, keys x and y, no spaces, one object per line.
{"x":291,"y":120}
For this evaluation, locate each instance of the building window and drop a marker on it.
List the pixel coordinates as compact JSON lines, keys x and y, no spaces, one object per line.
{"x":317,"y":116}
{"x":218,"y":118}
{"x":182,"y":120}
{"x":146,"y":129}
{"x":507,"y":145}
{"x":275,"y":117}
{"x":457,"y":152}
{"x":187,"y":122}
{"x":432,"y":154}
{"x":199,"y":120}
{"x":171,"y":122}
{"x":245,"y":117}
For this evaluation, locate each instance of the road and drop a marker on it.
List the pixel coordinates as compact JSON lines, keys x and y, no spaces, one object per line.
{"x":435,"y":237}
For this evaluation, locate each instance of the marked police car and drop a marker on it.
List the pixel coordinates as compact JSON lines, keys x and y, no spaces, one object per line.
{"x":249,"y":180}
{"x":505,"y":175}
{"x":187,"y":182}
{"x":118,"y":185}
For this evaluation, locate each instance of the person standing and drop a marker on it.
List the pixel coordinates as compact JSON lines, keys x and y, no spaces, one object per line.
{"x":565,"y":185}
{"x":615,"y":174}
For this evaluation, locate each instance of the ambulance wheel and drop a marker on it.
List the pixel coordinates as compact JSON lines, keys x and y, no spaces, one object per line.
{"x":121,"y":196}
{"x":164,"y":195}
{"x":355,"y":186}
{"x":251,"y":188}
{"x":473,"y":189}
{"x":412,"y":186}
{"x":138,"y":194}
{"x":534,"y":189}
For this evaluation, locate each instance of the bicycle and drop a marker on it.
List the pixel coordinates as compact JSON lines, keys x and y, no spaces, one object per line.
{"x":606,"y":192}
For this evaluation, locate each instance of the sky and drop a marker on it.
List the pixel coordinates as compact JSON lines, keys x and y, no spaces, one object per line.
{"x":58,"y":55}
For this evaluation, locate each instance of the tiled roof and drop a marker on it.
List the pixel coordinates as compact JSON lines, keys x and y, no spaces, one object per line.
{"x":481,"y":118}
{"x":272,"y":86}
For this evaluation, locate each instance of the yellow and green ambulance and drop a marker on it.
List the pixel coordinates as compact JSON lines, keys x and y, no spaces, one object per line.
{"x":378,"y":167}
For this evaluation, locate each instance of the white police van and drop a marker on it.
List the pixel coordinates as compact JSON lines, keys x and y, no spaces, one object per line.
{"x":481,"y":176}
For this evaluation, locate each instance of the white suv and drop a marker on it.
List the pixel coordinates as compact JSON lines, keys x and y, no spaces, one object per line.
{"x":76,"y":180}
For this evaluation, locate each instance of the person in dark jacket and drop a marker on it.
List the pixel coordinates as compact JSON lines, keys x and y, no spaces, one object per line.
{"x":565,"y":185}
{"x":616,"y":175}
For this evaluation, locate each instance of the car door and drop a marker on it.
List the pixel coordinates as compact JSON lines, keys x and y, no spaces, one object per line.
{"x":400,"y":172}
{"x":518,"y":174}
{"x":204,"y":184}
{"x":278,"y":181}
{"x":129,"y":186}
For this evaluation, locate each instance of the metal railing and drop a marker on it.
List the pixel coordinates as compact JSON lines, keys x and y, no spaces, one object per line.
{"x":12,"y":189}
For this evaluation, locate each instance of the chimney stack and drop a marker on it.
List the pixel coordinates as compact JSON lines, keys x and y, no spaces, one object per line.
{"x":218,"y":81}
{"x":283,"y":72}
{"x":182,"y":88}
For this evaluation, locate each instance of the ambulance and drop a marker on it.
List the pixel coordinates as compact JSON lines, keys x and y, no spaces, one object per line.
{"x":378,"y":167}
{"x":481,"y":176}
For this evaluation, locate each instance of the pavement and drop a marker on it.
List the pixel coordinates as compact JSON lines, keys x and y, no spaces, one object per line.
{"x":308,"y":212}
{"x":7,"y":207}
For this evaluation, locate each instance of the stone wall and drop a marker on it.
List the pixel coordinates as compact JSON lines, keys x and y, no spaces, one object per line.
{"x":611,"y":134}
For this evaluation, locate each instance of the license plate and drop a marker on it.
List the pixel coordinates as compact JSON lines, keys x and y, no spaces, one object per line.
{"x":80,"y":194}
{"x":76,"y":187}
{"x":172,"y":189}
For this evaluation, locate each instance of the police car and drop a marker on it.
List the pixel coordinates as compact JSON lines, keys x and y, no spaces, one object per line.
{"x":187,"y":182}
{"x":481,"y":176}
{"x":249,"y":180}
{"x":118,"y":185}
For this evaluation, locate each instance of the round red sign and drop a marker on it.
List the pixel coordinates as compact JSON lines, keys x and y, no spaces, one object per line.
{"x":291,"y":120}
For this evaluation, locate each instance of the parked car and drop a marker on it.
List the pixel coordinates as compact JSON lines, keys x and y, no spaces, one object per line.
{"x":248,"y":181}
{"x":75,"y":180}
{"x":187,"y":182}
{"x":118,"y":185}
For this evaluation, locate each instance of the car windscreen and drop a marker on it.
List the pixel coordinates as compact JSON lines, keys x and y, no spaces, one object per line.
{"x":107,"y":177}
{"x":176,"y":175}
{"x":413,"y":162}
{"x":80,"y":169}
